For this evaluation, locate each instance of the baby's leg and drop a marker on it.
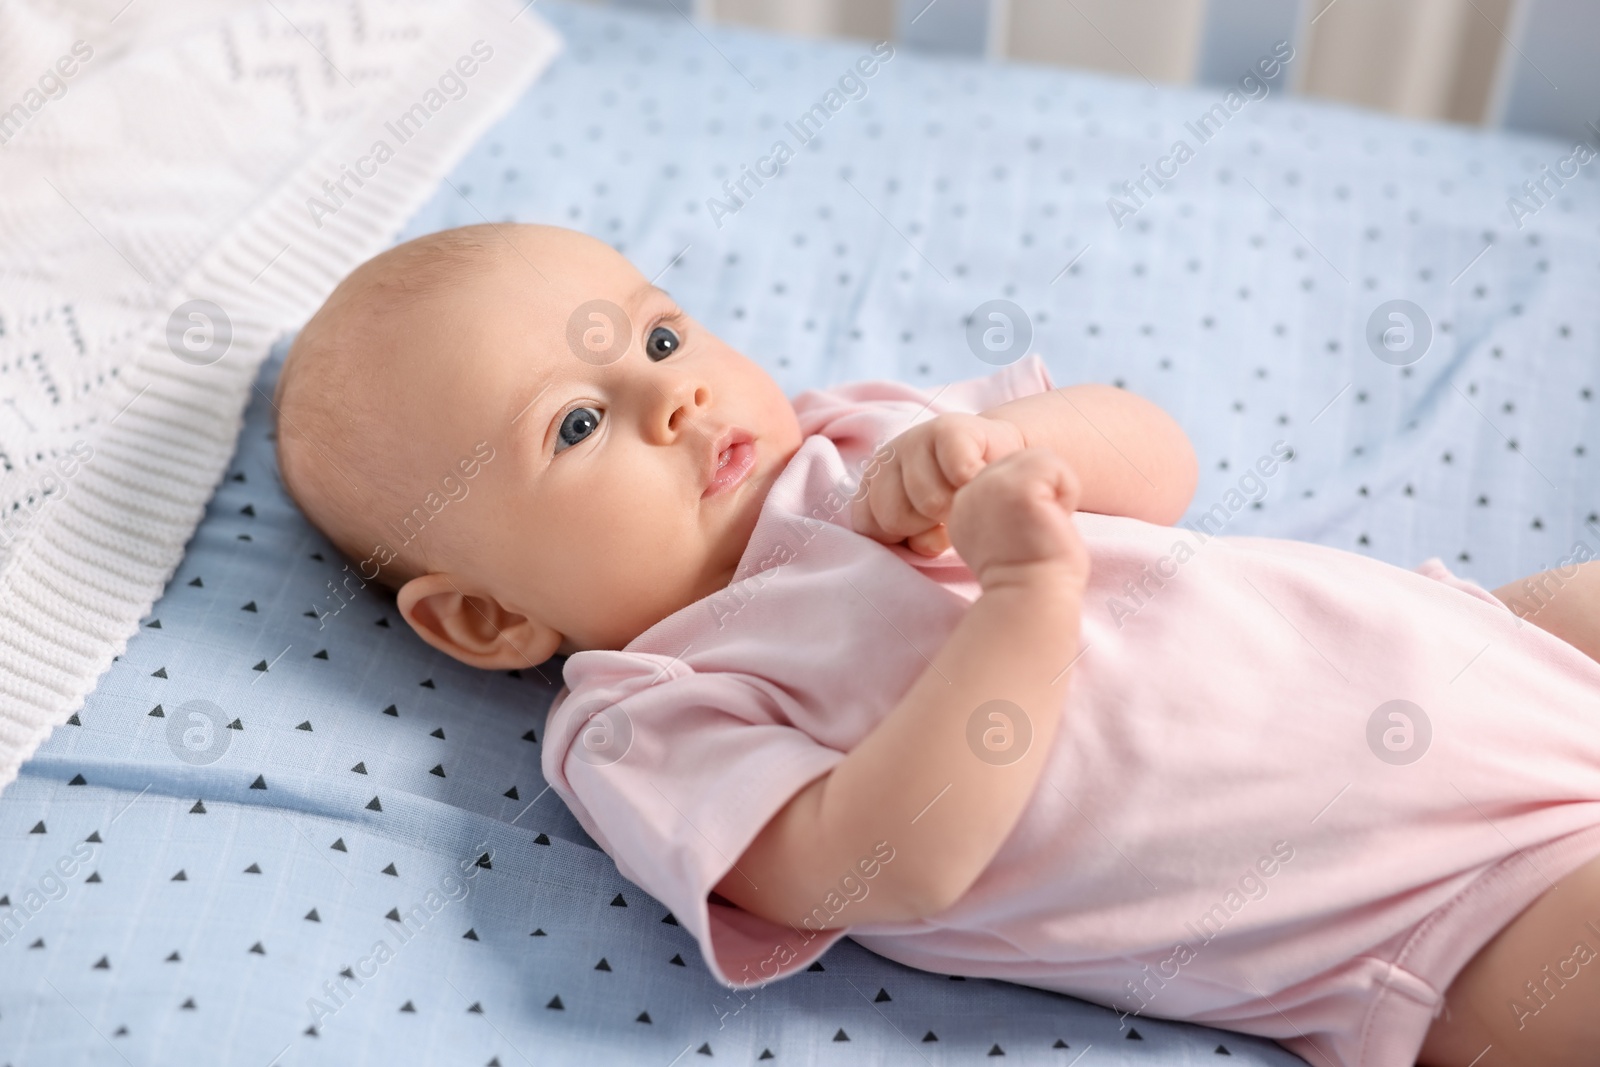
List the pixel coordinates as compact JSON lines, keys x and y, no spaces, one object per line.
{"x":1568,"y":606}
{"x":1531,"y":996}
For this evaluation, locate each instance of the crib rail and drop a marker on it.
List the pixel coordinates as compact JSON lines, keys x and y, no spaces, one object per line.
{"x":1522,"y":64}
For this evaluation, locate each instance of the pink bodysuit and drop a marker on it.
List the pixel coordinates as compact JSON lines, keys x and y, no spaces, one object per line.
{"x":1237,"y":825}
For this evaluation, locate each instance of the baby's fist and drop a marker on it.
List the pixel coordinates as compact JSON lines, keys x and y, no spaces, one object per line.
{"x":1012,"y":524}
{"x":908,"y":496}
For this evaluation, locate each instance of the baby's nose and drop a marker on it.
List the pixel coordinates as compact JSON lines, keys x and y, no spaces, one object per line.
{"x":681,"y":403}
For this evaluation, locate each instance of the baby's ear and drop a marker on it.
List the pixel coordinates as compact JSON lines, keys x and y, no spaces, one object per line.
{"x":477,"y":630}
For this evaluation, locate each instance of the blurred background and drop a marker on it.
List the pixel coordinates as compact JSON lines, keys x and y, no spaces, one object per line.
{"x":1525,"y":64}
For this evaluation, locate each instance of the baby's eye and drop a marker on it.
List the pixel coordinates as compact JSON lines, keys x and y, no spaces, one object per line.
{"x":578,"y":424}
{"x":661,"y":343}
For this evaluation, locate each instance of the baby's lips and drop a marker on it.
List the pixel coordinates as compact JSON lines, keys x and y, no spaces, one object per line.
{"x":729,"y":438}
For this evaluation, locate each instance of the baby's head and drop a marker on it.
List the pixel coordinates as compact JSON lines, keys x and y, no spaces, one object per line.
{"x":470,"y":418}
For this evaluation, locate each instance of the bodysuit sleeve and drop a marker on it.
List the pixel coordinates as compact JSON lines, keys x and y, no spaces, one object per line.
{"x":674,"y":773}
{"x":860,"y":416}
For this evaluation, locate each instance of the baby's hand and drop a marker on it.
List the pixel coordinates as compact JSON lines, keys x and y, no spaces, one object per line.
{"x":908,"y":497}
{"x":1012,"y":524}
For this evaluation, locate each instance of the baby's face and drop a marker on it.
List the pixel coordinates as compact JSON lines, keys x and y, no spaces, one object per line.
{"x":624,"y":485}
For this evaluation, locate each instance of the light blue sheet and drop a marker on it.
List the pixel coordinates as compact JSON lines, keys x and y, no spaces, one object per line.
{"x":1236,"y":298}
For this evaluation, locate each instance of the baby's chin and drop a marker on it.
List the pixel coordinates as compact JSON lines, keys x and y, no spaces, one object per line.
{"x":716,"y":574}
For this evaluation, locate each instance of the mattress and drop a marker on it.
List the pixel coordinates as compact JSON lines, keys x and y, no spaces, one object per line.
{"x":283,"y":830}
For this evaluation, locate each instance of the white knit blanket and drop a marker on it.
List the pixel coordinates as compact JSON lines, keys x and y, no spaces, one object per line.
{"x":180,"y":182}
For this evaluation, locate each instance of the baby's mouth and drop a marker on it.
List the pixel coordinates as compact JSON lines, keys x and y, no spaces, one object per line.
{"x":732,"y":462}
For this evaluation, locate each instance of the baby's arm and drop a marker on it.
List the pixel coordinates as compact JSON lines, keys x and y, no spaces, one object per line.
{"x":917,"y":782}
{"x":1133,"y":458}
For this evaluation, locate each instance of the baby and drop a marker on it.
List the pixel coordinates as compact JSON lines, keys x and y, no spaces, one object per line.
{"x":932,"y":667}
